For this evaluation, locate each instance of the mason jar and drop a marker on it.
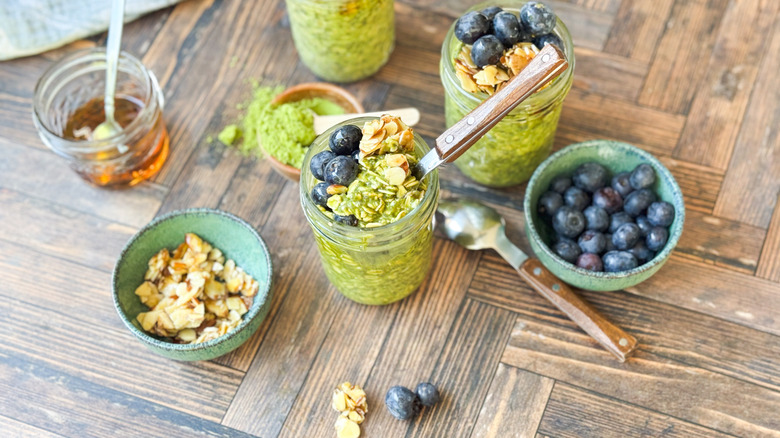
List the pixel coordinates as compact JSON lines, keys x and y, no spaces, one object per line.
{"x":68,"y":99}
{"x":507,"y":154}
{"x":378,"y":265}
{"x":343,"y":40}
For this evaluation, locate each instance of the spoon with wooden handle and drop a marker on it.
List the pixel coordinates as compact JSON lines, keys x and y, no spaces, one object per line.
{"x":477,"y":226}
{"x":546,"y":66}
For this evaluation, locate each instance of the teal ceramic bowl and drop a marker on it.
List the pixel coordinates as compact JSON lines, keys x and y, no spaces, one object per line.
{"x":617,"y":157}
{"x":234,"y":237}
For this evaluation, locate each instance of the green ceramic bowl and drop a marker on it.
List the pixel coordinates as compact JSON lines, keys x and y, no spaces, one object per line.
{"x":237,"y":240}
{"x":617,"y":157}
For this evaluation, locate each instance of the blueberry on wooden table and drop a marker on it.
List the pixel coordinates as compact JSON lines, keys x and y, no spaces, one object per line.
{"x":538,"y":18}
{"x":550,"y":38}
{"x":549,"y":203}
{"x":567,"y":249}
{"x":590,"y":261}
{"x":626,"y":236}
{"x":568,"y":222}
{"x":596,"y":218}
{"x":637,"y":202}
{"x":346,"y":220}
{"x":487,"y":51}
{"x":622,"y":184}
{"x":617,"y":261}
{"x":618,"y":219}
{"x":345,"y":140}
{"x":660,"y":213}
{"x":319,"y":194}
{"x":576,"y":198}
{"x":402,"y":403}
{"x":608,"y":199}
{"x":318,"y":162}
{"x":428,"y":394}
{"x":560,"y":183}
{"x":471,"y":26}
{"x":641,"y":252}
{"x":644,"y":225}
{"x":341,"y":170}
{"x":642,"y":177}
{"x":506,"y":28}
{"x":590,"y":177}
{"x":592,"y":241}
{"x":657,"y":237}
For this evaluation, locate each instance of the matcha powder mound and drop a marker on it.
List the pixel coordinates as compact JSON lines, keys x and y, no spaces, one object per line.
{"x":284,"y":131}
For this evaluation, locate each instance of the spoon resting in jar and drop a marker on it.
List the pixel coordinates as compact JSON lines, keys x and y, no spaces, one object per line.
{"x":110,"y":127}
{"x":547,"y":65}
{"x":476,"y":226}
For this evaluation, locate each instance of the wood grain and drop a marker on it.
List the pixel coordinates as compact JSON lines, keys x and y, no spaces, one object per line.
{"x":637,"y":28}
{"x":608,"y":75}
{"x":514,"y":404}
{"x":17,"y":429}
{"x":769,"y":262}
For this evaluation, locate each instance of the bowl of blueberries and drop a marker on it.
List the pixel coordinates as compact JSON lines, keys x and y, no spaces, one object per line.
{"x":603,"y":215}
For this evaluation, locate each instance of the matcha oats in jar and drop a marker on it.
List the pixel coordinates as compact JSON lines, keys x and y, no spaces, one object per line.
{"x":372,"y":219}
{"x":485,"y":48}
{"x":342,"y":40}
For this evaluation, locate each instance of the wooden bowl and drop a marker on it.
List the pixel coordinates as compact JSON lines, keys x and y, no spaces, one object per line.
{"x":616,"y":157}
{"x":309,"y":90}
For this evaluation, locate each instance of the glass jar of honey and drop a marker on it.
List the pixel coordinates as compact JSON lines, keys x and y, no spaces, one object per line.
{"x":68,"y":106}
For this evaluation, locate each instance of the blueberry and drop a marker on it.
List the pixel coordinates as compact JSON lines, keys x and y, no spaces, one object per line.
{"x":626,"y":236}
{"x":506,"y":28}
{"x":616,"y":261}
{"x":621,"y":184}
{"x":402,"y":403}
{"x":642,"y":177}
{"x":567,"y":249}
{"x":346,"y":220}
{"x":491,"y":12}
{"x":318,"y":163}
{"x":637,"y":202}
{"x":596,"y":218}
{"x":618,"y":219}
{"x":538,"y":18}
{"x":427,"y":393}
{"x":608,"y":199}
{"x":590,"y":176}
{"x":345,"y":140}
{"x":471,"y":26}
{"x":550,"y":38}
{"x":656,"y":239}
{"x":487,"y":51}
{"x":576,"y":198}
{"x":568,"y":222}
{"x":319,"y":194}
{"x":356,"y":156}
{"x":590,"y":261}
{"x":610,"y":246}
{"x":592,"y":241}
{"x":642,"y":253}
{"x":660,"y":213}
{"x":560,"y":184}
{"x":549,"y":202}
{"x":644,"y":225}
{"x":341,"y":170}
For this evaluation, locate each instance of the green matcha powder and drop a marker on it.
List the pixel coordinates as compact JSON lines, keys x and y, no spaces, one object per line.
{"x":283,"y":131}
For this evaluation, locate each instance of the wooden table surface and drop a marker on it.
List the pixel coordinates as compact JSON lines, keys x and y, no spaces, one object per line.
{"x":693,"y":82}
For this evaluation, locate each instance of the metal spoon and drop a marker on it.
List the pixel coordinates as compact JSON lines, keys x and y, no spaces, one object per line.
{"x":477,"y":226}
{"x":110,"y":127}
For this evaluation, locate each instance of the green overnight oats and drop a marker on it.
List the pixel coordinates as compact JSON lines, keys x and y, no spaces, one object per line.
{"x":375,"y":234}
{"x":343,"y":40}
{"x":509,"y":153}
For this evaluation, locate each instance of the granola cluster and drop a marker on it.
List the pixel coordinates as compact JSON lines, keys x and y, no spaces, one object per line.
{"x":492,"y":78}
{"x":193,"y":294}
{"x":350,"y":401}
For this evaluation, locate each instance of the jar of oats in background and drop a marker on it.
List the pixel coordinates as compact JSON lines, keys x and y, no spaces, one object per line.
{"x":68,"y":106}
{"x":507,"y":154}
{"x":343,"y":40}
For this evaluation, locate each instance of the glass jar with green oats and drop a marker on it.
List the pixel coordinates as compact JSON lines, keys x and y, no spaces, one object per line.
{"x":371,"y":264}
{"x":507,"y":154}
{"x":343,"y":40}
